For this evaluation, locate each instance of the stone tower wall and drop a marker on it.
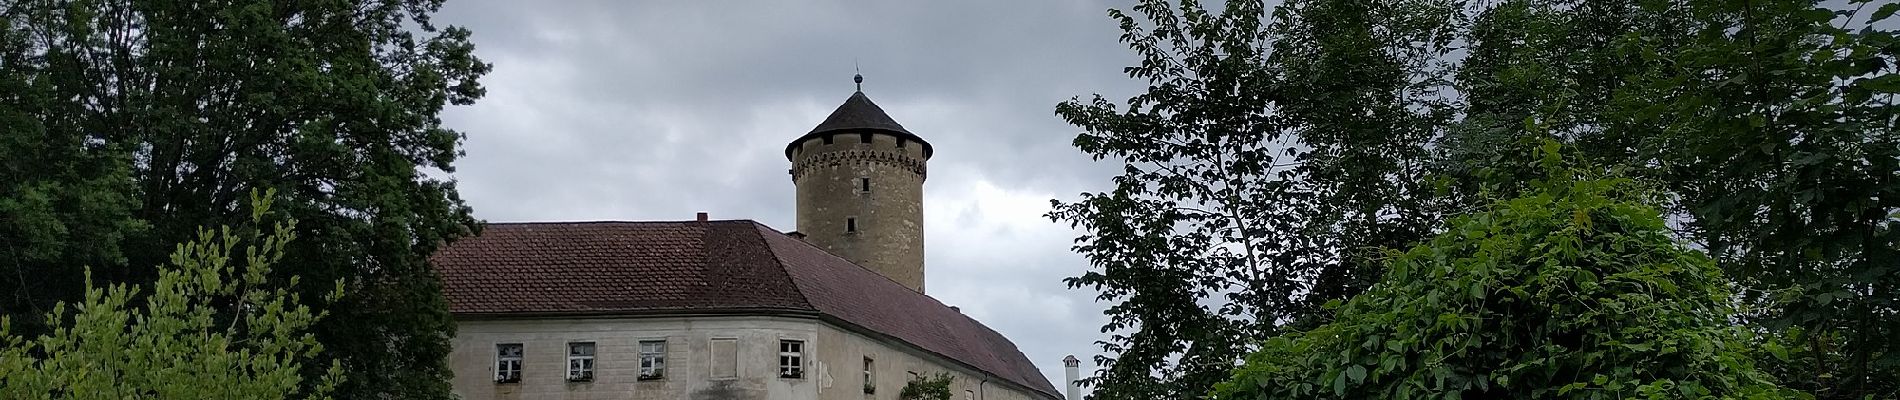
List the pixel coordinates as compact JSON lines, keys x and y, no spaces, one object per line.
{"x":890,"y":218}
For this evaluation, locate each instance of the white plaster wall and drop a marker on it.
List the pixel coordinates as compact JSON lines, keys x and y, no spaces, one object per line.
{"x":544,"y":364}
{"x":833,"y":365}
{"x":845,"y":350}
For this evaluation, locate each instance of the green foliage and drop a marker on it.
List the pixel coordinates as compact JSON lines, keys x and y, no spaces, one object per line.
{"x":927,"y":387}
{"x":65,"y":198}
{"x":1769,"y":122}
{"x":155,"y":118}
{"x":1574,"y":290}
{"x":1783,"y":148}
{"x":1268,"y":162}
{"x":1274,"y":152}
{"x":212,"y":326}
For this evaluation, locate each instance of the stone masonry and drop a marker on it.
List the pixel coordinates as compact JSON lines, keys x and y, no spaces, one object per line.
{"x":888,"y":218}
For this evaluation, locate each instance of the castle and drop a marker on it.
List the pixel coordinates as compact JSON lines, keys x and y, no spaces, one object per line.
{"x":732,"y":309}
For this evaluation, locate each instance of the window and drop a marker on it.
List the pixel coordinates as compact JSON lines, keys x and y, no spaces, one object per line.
{"x":508,"y":363}
{"x":850,"y":224}
{"x":864,"y":137}
{"x":652,"y":359}
{"x":827,"y":139}
{"x":864,"y":184}
{"x":900,"y":143}
{"x":580,"y":361}
{"x":791,"y":359}
{"x":725,"y":358}
{"x":969,"y":395}
{"x":870,"y":377}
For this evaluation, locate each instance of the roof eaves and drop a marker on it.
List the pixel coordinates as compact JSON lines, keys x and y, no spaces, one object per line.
{"x":645,"y":313}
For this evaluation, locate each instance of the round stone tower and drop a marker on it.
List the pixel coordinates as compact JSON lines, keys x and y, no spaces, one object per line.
{"x":860,"y":179}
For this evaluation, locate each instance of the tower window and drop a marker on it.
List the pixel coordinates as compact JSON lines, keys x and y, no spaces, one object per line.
{"x":864,"y":184}
{"x":850,"y":224}
{"x":864,"y":137}
{"x":827,"y":139}
{"x":900,"y":142}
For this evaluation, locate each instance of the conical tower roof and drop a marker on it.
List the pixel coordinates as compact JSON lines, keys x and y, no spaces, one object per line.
{"x":859,"y":115}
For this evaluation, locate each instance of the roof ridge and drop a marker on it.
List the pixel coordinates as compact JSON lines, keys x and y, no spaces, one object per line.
{"x":969,"y":350}
{"x":759,"y":233}
{"x":846,"y":261}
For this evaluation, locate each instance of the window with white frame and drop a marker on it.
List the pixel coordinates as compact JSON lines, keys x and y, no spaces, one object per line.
{"x":580,"y":361}
{"x":791,"y":359}
{"x":652,"y":359}
{"x":507,"y":363}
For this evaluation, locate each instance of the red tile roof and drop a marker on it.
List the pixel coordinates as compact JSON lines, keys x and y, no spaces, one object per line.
{"x":733,"y":266}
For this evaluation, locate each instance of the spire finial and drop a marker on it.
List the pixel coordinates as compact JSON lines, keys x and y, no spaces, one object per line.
{"x":859,"y":78}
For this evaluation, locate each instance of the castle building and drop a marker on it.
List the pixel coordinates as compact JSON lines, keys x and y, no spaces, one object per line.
{"x":731,"y":309}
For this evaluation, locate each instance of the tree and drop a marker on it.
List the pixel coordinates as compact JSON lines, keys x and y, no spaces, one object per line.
{"x":1559,"y":63}
{"x":211,"y":326}
{"x":335,"y":104}
{"x":1776,"y":125}
{"x":1573,"y":290}
{"x":65,"y":199}
{"x":927,"y":387}
{"x":1770,"y":123}
{"x":1270,"y":153}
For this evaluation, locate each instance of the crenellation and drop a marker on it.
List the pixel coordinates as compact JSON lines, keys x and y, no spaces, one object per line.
{"x":836,"y":158}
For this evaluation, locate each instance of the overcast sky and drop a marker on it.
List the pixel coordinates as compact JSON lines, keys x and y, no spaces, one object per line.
{"x":654,"y":110}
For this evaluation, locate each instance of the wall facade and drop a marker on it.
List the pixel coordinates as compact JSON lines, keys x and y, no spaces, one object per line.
{"x":833,"y":361}
{"x":894,"y":365}
{"x":889,"y":232}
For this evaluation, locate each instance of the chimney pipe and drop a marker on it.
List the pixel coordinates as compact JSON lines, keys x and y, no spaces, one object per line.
{"x":1071,"y":373}
{"x":702,"y":217}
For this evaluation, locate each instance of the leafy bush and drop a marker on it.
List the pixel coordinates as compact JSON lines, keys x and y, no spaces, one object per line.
{"x":927,"y":387}
{"x":172,"y":343}
{"x":1574,"y":290}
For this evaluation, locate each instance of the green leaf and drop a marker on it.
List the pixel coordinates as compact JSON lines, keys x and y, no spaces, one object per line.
{"x":1885,"y":11}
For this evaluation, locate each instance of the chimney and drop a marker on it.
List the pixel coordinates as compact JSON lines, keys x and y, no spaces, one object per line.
{"x":702,"y":217}
{"x":1070,"y":374}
